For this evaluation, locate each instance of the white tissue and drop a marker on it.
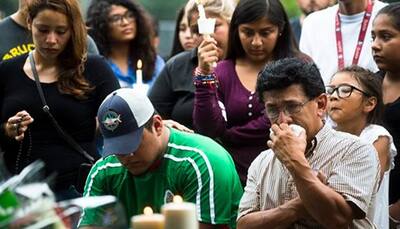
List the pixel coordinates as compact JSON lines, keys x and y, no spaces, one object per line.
{"x":295,"y":128}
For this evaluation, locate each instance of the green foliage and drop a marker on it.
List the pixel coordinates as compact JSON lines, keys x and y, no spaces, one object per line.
{"x":163,"y":9}
{"x":8,"y":6}
{"x":291,"y":8}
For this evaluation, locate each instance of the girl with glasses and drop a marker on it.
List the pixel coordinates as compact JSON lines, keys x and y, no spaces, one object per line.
{"x":386,"y":53}
{"x":122,"y":32}
{"x":355,"y":105}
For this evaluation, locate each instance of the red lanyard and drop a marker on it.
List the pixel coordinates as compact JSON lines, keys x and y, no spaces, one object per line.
{"x":361,"y":36}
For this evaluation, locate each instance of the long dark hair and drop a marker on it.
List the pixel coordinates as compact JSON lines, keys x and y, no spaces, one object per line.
{"x":248,"y":11}
{"x":71,"y":79}
{"x":176,"y":45}
{"x":140,"y":47}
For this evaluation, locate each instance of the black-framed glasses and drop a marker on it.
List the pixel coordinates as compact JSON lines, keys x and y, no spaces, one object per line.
{"x":117,"y":18}
{"x":343,"y":90}
{"x":288,"y":109}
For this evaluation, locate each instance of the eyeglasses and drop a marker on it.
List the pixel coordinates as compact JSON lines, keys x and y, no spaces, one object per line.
{"x":118,"y":18}
{"x":288,"y":109}
{"x":343,"y":90}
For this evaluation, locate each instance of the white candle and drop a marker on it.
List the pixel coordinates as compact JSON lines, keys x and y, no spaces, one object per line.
{"x":148,"y":220}
{"x":139,"y":76}
{"x":206,"y":25}
{"x":180,"y":215}
{"x":200,"y":8}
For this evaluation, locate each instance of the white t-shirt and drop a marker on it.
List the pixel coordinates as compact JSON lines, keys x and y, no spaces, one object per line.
{"x":370,"y":134}
{"x":318,"y":39}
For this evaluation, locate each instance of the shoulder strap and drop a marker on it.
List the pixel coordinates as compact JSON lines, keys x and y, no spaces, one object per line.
{"x":46,"y":109}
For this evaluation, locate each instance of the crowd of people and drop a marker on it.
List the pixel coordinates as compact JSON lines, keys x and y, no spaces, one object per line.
{"x":269,"y":122}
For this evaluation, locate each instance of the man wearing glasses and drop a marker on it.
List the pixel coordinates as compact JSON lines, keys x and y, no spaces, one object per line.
{"x":318,"y":178}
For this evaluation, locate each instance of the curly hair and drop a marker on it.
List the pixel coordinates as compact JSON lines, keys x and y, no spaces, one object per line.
{"x":140,"y":47}
{"x":71,"y":80}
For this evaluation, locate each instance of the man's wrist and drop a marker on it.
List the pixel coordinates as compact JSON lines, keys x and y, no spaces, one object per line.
{"x":296,"y":164}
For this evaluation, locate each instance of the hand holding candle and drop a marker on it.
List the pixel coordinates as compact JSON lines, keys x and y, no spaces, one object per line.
{"x":148,"y":220}
{"x":206,"y":25}
{"x":180,"y":215}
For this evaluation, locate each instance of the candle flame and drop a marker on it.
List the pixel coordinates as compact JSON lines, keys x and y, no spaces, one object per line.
{"x":139,"y":64}
{"x":178,"y":199}
{"x":147,"y":211}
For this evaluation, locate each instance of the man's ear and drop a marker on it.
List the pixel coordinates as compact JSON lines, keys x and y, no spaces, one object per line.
{"x":322,"y":102}
{"x":370,"y":104}
{"x":158,"y":124}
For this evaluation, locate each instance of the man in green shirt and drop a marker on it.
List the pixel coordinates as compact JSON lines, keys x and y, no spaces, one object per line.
{"x":145,"y":163}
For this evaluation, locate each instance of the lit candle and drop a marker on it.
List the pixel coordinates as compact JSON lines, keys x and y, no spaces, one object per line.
{"x":180,"y":215}
{"x":148,"y":220}
{"x":139,"y":76}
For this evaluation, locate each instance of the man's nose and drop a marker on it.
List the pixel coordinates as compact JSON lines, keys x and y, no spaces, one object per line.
{"x":283,"y":118}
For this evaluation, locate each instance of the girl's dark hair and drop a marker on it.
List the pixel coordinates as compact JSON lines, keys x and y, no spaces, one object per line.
{"x":393,"y":11}
{"x":248,"y":11}
{"x":140,"y":47}
{"x":176,"y":45}
{"x":72,"y":59}
{"x":372,"y":86}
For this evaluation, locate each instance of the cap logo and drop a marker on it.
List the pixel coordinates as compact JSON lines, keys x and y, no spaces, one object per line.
{"x":168,"y":196}
{"x":111,"y":120}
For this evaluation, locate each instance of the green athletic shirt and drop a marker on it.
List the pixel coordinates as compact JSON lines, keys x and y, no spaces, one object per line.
{"x":193,"y":166}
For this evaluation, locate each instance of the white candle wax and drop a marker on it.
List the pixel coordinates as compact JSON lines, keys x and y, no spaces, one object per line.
{"x":180,"y":215}
{"x":202,"y":12}
{"x":139,"y":76}
{"x":148,"y":220}
{"x":206,"y":25}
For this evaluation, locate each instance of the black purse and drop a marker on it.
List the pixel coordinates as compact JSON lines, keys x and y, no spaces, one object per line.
{"x":84,"y":168}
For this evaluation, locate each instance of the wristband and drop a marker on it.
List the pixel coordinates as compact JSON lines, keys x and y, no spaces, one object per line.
{"x":204,"y":79}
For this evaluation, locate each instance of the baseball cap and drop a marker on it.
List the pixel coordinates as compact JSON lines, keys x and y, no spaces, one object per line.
{"x":122,"y":116}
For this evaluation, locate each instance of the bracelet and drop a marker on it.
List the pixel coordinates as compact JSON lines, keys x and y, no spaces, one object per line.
{"x":204,"y":79}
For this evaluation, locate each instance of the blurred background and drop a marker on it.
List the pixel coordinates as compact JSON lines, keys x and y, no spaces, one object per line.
{"x":164,"y":11}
